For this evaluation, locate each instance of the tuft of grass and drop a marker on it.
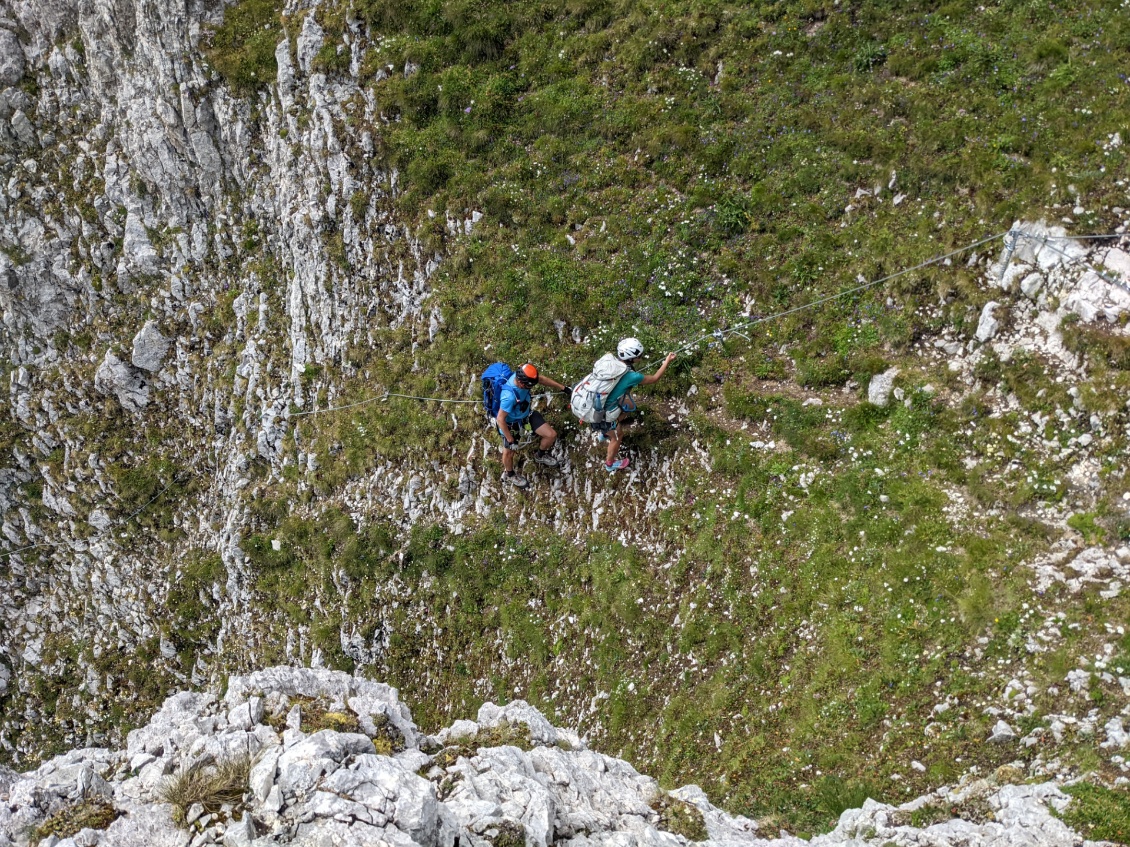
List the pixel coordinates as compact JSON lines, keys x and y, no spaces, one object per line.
{"x":90,"y":813}
{"x":389,"y":739}
{"x":836,"y":795}
{"x":1099,"y":813}
{"x":317,"y":715}
{"x":679,"y":817}
{"x":212,"y":785}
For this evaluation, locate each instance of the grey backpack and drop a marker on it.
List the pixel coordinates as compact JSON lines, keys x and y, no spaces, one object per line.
{"x":591,"y":393}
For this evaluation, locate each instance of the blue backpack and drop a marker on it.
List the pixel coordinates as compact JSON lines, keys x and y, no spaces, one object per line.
{"x":494,"y":378}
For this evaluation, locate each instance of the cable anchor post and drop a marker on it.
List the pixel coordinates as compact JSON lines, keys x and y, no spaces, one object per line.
{"x":1009,"y":248}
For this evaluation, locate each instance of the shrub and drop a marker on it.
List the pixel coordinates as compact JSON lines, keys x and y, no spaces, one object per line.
{"x":732,"y":215}
{"x":507,"y":834}
{"x":869,"y":57}
{"x":822,"y":373}
{"x":836,"y":795}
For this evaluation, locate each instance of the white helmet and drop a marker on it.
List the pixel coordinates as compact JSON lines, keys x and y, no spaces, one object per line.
{"x":629,"y":348}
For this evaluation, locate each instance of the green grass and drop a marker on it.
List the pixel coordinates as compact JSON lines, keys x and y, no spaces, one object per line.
{"x":662,"y":170}
{"x":1099,"y":813}
{"x":243,"y":48}
{"x":817,"y":617}
{"x":692,"y":196}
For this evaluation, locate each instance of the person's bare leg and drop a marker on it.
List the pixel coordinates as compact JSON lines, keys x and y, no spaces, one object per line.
{"x":507,"y":460}
{"x":548,"y":436}
{"x":613,"y":446}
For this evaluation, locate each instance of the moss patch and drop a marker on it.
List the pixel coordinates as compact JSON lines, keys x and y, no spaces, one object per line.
{"x":679,"y":817}
{"x":92,"y":813}
{"x":502,"y":735}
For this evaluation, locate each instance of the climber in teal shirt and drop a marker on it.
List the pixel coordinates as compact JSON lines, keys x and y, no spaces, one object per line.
{"x":628,"y":351}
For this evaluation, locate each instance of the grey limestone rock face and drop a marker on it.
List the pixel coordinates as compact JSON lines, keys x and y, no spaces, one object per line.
{"x":11,"y":58}
{"x":122,"y":381}
{"x":332,"y":789}
{"x":149,"y":348}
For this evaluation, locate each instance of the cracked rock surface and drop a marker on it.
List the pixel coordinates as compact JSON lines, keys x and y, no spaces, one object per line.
{"x":509,"y":776}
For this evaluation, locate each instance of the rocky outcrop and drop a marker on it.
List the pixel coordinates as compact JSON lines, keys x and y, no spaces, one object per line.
{"x":117,"y":378}
{"x":507,"y":778}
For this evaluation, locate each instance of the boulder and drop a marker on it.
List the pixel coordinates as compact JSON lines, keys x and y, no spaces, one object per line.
{"x":1031,"y":284}
{"x":302,"y":766}
{"x":988,"y":326}
{"x":245,"y":715}
{"x":240,"y":833}
{"x":117,"y":378}
{"x":149,"y":348}
{"x":880,"y":387}
{"x":1002,"y":734}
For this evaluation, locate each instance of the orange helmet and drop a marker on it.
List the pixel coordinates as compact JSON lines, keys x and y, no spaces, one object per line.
{"x":527,"y":375}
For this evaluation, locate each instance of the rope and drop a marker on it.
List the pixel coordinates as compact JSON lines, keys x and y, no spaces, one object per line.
{"x":29,"y":547}
{"x":722,"y":333}
{"x":120,"y":523}
{"x":1096,"y":236}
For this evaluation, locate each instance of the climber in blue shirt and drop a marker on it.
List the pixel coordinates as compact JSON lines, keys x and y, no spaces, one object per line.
{"x":514,"y":413}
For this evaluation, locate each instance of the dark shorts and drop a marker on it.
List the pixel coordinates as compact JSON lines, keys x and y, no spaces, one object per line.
{"x":534,"y":421}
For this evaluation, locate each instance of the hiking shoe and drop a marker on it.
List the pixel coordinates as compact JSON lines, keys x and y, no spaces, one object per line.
{"x":543,"y":457}
{"x":515,"y":479}
{"x":601,"y":438}
{"x":618,"y":465}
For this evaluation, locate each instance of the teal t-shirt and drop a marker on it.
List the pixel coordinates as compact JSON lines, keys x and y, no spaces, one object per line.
{"x":627,"y":382}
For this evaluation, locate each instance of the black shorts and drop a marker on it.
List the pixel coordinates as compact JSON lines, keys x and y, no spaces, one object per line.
{"x":534,"y":421}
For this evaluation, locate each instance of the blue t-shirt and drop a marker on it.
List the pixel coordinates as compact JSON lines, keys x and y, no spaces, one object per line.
{"x":627,"y":382}
{"x":515,"y":401}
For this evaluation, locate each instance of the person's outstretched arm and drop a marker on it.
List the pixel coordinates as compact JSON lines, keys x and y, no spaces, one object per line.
{"x":654,"y":378}
{"x":552,"y":383}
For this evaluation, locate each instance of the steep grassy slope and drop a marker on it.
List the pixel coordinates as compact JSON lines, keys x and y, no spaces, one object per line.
{"x":793,"y":602}
{"x":661,"y":169}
